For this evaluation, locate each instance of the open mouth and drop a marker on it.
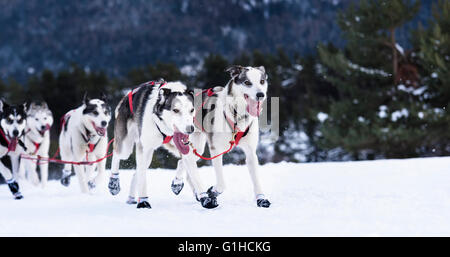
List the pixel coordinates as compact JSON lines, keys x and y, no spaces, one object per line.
{"x":253,"y":107}
{"x":100,"y":130}
{"x":42,"y":132}
{"x":181,"y":141}
{"x":13,"y":143}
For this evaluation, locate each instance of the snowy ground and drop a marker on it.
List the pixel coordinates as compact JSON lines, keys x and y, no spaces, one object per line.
{"x":393,"y":197}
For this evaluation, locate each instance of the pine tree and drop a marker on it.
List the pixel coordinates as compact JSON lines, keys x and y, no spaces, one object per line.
{"x":371,"y":116}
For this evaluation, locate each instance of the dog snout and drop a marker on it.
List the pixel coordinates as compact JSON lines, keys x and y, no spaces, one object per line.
{"x":104,"y":123}
{"x":43,"y":127}
{"x":15,"y":133}
{"x":260,"y":96}
{"x":189,"y":129}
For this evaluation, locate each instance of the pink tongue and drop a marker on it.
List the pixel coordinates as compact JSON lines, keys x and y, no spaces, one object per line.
{"x":253,"y":107}
{"x":178,"y":140}
{"x":12,"y":144}
{"x":47,"y":127}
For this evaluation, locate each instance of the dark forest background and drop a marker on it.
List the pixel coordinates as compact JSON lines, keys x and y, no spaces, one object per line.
{"x":357,"y":80}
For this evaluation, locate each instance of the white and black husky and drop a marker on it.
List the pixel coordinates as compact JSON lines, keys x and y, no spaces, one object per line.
{"x":12,"y":128}
{"x":84,"y":138}
{"x":148,"y":117}
{"x":37,"y":142}
{"x":229,"y":113}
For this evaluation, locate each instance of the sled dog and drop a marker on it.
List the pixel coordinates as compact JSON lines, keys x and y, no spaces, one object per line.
{"x":37,"y":142}
{"x":12,"y":128}
{"x":84,"y":137}
{"x":227,"y":113}
{"x":151,"y":115}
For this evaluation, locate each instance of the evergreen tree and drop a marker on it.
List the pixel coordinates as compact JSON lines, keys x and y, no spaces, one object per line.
{"x":371,"y":116}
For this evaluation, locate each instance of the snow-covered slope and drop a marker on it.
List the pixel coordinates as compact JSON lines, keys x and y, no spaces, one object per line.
{"x":392,"y":197}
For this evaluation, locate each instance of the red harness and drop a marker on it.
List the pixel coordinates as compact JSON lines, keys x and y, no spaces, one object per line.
{"x":130,"y":102}
{"x":238,"y":134}
{"x":11,"y":144}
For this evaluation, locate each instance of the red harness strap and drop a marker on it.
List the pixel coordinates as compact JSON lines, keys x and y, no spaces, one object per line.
{"x":11,"y":144}
{"x":37,"y":146}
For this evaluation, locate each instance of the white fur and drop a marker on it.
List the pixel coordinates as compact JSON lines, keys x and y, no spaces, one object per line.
{"x":221,"y":134}
{"x":148,"y":141}
{"x":36,"y":119}
{"x":73,"y":146}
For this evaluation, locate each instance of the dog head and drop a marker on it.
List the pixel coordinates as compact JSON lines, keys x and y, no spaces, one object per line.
{"x":13,"y":122}
{"x":175,"y":108}
{"x":251,"y":84}
{"x":39,"y":118}
{"x":96,"y":115}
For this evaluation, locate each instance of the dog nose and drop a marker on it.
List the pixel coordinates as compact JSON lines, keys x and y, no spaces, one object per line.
{"x":104,"y":123}
{"x":259,"y":95}
{"x":15,"y":133}
{"x":43,"y":127}
{"x":189,"y":129}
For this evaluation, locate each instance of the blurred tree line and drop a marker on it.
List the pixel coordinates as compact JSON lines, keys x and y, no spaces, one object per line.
{"x":371,"y":99}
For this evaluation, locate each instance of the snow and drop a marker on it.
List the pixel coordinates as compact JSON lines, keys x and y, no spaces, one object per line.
{"x":383,"y":111}
{"x":371,"y":198}
{"x":322,"y":116}
{"x":399,"y":114}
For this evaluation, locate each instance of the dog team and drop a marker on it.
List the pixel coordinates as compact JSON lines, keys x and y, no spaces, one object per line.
{"x":155,"y":114}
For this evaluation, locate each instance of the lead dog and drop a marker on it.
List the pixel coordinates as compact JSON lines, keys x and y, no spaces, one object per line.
{"x":226,"y":113}
{"x":149,"y":117}
{"x":12,"y":126}
{"x":37,"y":142}
{"x":84,"y":138}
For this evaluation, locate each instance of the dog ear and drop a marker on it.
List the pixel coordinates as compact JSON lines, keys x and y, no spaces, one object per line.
{"x":33,"y":105}
{"x":234,"y":70}
{"x":85,"y":99}
{"x":24,"y":106}
{"x":44,"y":105}
{"x":262,"y":69}
{"x":104,"y":97}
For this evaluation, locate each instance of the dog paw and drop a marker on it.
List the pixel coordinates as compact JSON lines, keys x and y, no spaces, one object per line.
{"x":209,"y":202}
{"x":212,"y":193}
{"x":131,"y":200}
{"x":13,"y":187}
{"x":144,"y":204}
{"x":18,"y":196}
{"x":263,"y":203}
{"x":176,"y":188}
{"x":91,"y":185}
{"x":114,"y":186}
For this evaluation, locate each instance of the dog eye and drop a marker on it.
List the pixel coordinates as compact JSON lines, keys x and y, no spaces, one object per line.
{"x":9,"y":121}
{"x":36,"y":119}
{"x":45,"y":118}
{"x":248,"y":83}
{"x":262,"y":81}
{"x":192,"y":110}
{"x":176,"y":110}
{"x":95,"y":113}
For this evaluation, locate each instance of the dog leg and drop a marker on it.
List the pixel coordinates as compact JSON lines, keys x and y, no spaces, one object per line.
{"x":251,"y":159}
{"x":100,"y":174}
{"x":43,"y":167}
{"x":114,"y":182}
{"x":23,"y":166}
{"x":81,"y":175}
{"x":143,"y":160}
{"x":192,"y":172}
{"x":214,"y":191}
{"x":12,"y":184}
{"x":15,"y":164}
{"x":177,"y":182}
{"x":131,"y":196}
{"x":32,"y":173}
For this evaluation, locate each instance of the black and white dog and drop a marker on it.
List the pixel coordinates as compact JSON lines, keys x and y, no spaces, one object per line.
{"x":148,"y":117}
{"x":229,"y":113}
{"x":12,"y":127}
{"x":37,"y":142}
{"x":84,"y":138}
